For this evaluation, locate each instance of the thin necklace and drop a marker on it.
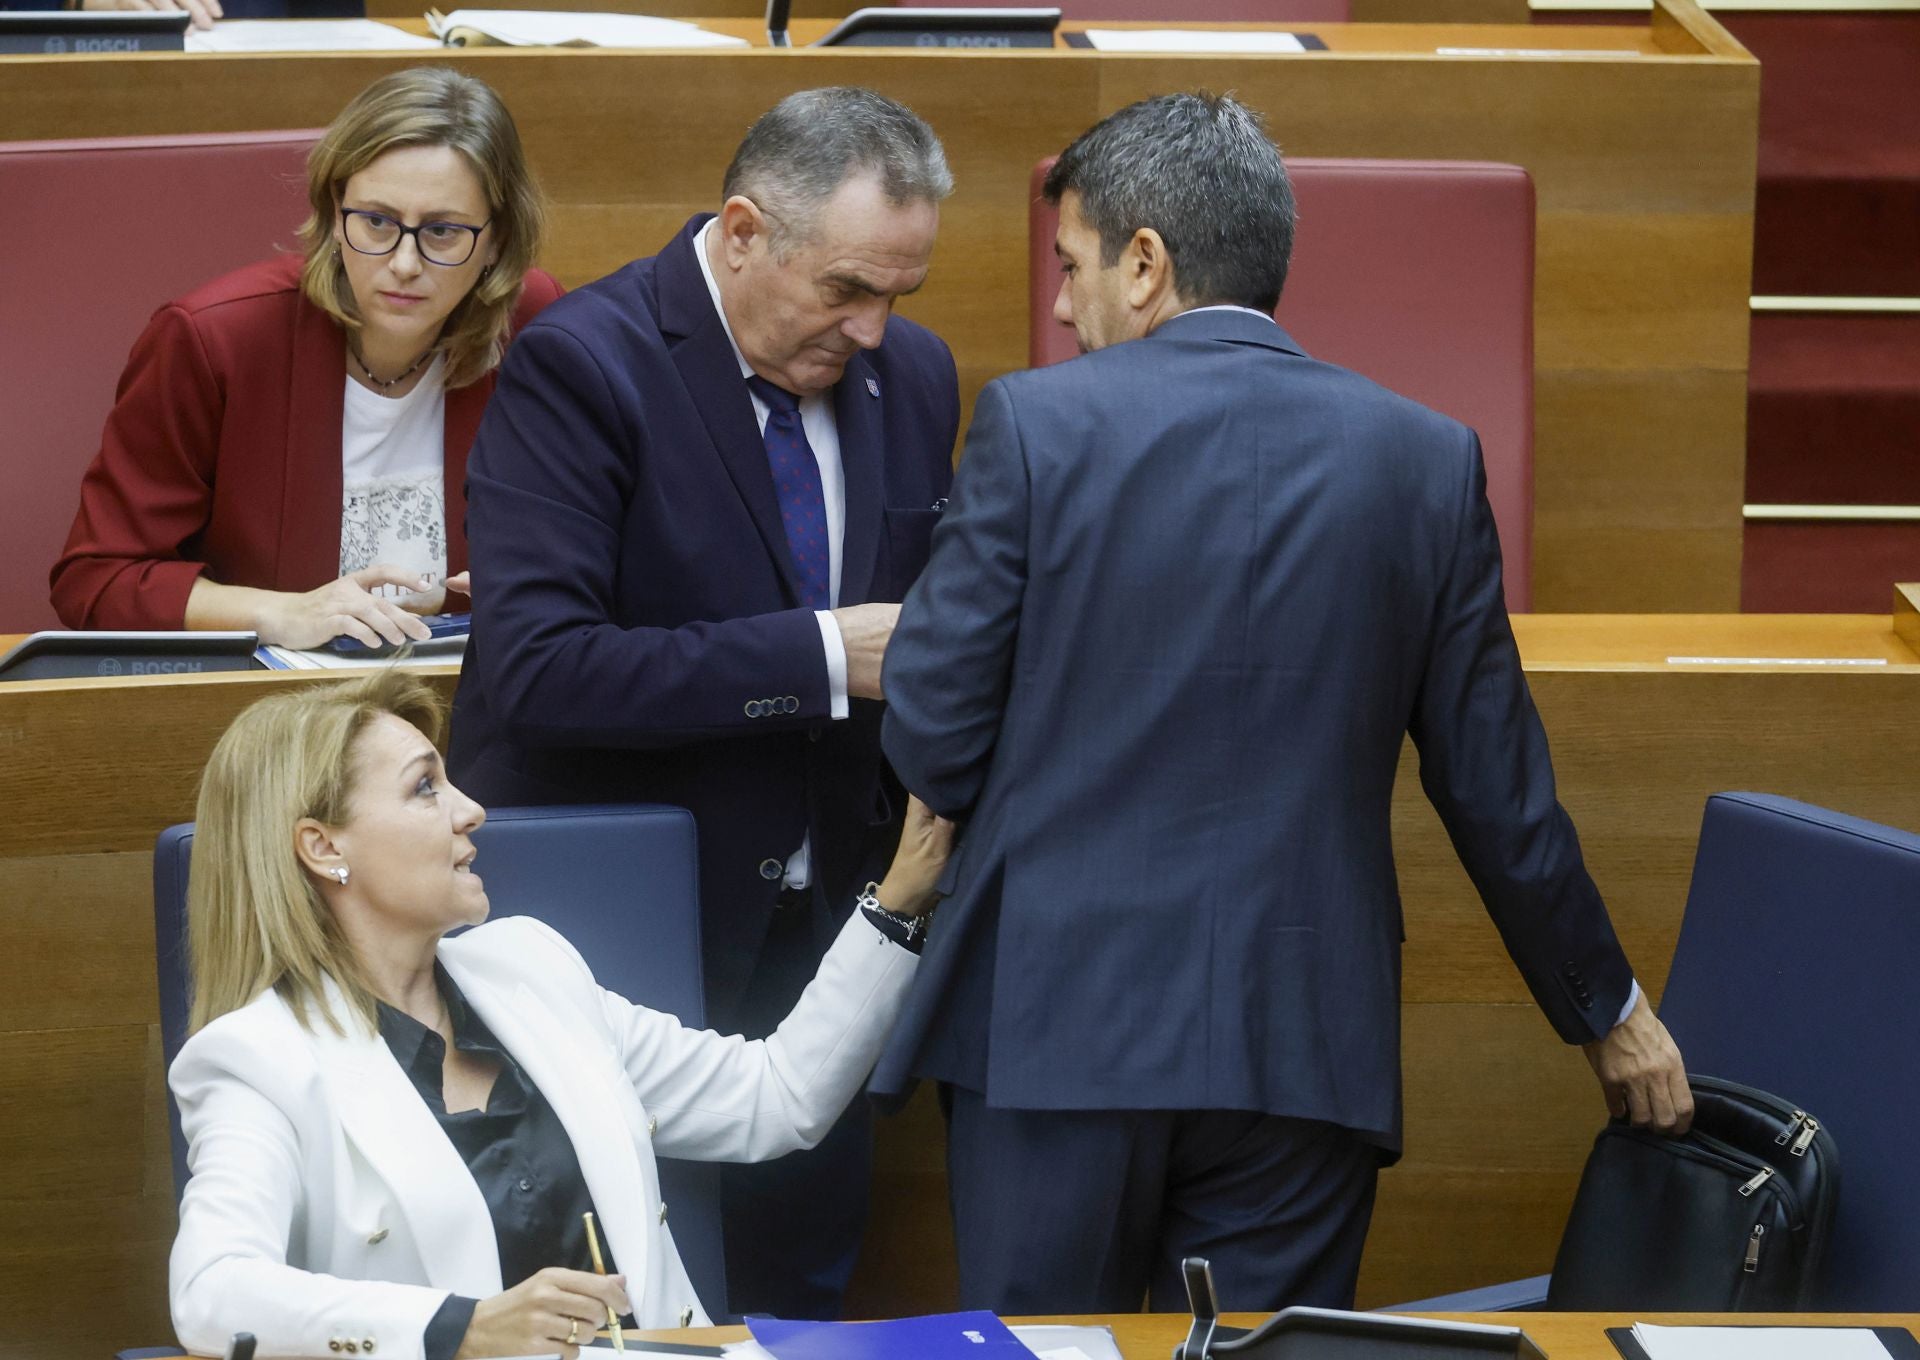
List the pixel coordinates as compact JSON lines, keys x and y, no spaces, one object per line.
{"x":388,"y":384}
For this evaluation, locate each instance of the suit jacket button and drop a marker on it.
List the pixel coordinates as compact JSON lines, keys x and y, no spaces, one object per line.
{"x":792,"y":704}
{"x":375,"y":1238}
{"x":663,"y":1211}
{"x":686,"y":1316}
{"x":771,"y":869}
{"x":334,"y":1344}
{"x":751,"y":708}
{"x":352,"y":1348}
{"x":653,"y":1125}
{"x":366,"y":1346}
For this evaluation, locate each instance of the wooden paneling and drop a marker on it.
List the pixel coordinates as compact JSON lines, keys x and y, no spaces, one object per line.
{"x":1644,"y":167}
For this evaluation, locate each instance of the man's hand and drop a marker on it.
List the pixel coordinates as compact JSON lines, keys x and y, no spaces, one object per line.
{"x":865,"y":630}
{"x":1642,"y":1074}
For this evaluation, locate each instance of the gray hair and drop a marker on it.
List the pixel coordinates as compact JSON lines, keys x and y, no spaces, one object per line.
{"x":802,"y":149}
{"x":1198,"y":169}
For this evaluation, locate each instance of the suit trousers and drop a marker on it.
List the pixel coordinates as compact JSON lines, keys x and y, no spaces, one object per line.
{"x":1090,"y":1211}
{"x":793,"y":1225}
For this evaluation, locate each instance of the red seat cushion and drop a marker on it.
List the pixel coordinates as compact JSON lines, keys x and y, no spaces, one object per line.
{"x":1418,"y":274}
{"x":94,"y":236}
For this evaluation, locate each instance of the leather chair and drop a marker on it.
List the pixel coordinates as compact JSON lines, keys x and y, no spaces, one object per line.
{"x":1418,"y":274}
{"x":620,"y":883}
{"x":1794,"y":973}
{"x":94,"y":235}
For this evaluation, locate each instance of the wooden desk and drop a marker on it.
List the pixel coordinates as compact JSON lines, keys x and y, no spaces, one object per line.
{"x":1563,"y":1336}
{"x":1643,"y":163}
{"x":1499,"y":1113}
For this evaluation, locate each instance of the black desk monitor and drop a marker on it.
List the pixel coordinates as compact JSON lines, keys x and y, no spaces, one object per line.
{"x":56,"y":32}
{"x":73,"y":656}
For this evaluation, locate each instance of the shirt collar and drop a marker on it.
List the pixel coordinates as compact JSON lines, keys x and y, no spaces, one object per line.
{"x":414,"y":1044}
{"x":1217,"y":307}
{"x":713,"y":291}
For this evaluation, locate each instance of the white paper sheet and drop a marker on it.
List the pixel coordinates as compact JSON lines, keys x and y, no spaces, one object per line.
{"x":1191,"y":40}
{"x":1758,"y":1343}
{"x":557,"y":28}
{"x":305,"y":35}
{"x":1046,"y":1342}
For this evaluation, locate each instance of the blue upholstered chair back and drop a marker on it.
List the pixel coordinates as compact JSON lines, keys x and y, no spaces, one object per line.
{"x":1795,"y":972}
{"x":619,"y":882}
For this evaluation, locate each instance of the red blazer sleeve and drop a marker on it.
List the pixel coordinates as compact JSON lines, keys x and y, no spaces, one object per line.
{"x":149,"y":490}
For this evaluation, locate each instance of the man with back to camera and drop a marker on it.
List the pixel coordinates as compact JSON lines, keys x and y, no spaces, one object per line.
{"x":1192,"y":591}
{"x":697,"y":486}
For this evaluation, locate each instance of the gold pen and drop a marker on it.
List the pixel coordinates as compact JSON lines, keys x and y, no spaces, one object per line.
{"x":600,"y":1268}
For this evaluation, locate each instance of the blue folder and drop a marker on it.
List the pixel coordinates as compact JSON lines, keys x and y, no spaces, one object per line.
{"x":944,"y":1336}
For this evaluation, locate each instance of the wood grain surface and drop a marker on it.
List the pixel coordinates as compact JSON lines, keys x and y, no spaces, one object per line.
{"x":1643,"y":165}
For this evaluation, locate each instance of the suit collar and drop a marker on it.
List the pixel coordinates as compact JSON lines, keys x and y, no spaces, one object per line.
{"x":710,"y":371}
{"x":310,"y":488}
{"x":1231,"y":325}
{"x":384,"y":1117}
{"x":858,"y":411}
{"x":583,"y":1087}
{"x":709,"y":365}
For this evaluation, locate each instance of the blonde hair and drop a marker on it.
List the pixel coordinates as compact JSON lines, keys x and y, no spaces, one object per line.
{"x":255,"y":917}
{"x":430,"y":106}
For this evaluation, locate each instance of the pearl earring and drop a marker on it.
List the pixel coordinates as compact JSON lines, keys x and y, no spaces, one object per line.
{"x":341,"y":874}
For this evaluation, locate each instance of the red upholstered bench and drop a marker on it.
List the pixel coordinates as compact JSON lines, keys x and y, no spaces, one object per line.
{"x":1418,"y":274}
{"x":94,"y":235}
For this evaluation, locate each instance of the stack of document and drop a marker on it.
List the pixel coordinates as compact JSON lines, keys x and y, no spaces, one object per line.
{"x":1759,"y":1343}
{"x":1242,"y":41}
{"x":305,"y":35}
{"x":554,"y":28}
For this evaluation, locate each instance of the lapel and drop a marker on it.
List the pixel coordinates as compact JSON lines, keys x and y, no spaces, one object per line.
{"x":464,"y":409}
{"x":711,"y":374}
{"x":857,"y":417}
{"x":383,"y":1116}
{"x":584,"y":1095}
{"x":310,"y":491}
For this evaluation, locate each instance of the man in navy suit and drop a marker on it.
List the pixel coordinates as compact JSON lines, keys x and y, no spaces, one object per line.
{"x":1193,"y":590}
{"x":699,"y":492}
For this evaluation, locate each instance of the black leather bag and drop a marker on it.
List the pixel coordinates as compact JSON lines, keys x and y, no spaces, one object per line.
{"x":1733,"y":1217}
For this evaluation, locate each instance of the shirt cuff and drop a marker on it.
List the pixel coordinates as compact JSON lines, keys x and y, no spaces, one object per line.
{"x":1633,"y":999}
{"x":836,"y":663}
{"x":448,"y":1328}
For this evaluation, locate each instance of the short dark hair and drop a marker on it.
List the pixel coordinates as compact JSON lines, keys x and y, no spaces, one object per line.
{"x":1198,"y":169}
{"x":799,"y":151}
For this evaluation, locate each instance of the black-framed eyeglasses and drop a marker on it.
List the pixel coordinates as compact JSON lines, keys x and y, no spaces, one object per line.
{"x":442,"y":243}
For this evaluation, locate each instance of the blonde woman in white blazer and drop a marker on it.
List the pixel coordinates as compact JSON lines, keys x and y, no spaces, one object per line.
{"x":329,"y":1210}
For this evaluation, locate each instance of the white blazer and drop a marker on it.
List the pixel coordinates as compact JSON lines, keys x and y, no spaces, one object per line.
{"x":326,"y":1204}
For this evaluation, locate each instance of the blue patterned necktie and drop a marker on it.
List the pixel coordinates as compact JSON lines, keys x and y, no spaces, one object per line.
{"x":796,"y":482}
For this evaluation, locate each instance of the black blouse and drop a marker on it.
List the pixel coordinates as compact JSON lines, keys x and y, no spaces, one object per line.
{"x":516,"y":1148}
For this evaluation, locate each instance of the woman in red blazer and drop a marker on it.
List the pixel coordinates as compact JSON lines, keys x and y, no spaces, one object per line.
{"x":287,"y":452}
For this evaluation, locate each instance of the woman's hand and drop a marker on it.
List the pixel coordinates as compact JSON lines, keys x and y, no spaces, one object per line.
{"x":345,"y":607}
{"x":551,"y":1310}
{"x":925,"y":843}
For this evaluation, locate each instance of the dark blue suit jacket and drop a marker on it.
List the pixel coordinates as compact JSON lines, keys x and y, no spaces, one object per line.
{"x":635,"y":603}
{"x":1191,"y":594}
